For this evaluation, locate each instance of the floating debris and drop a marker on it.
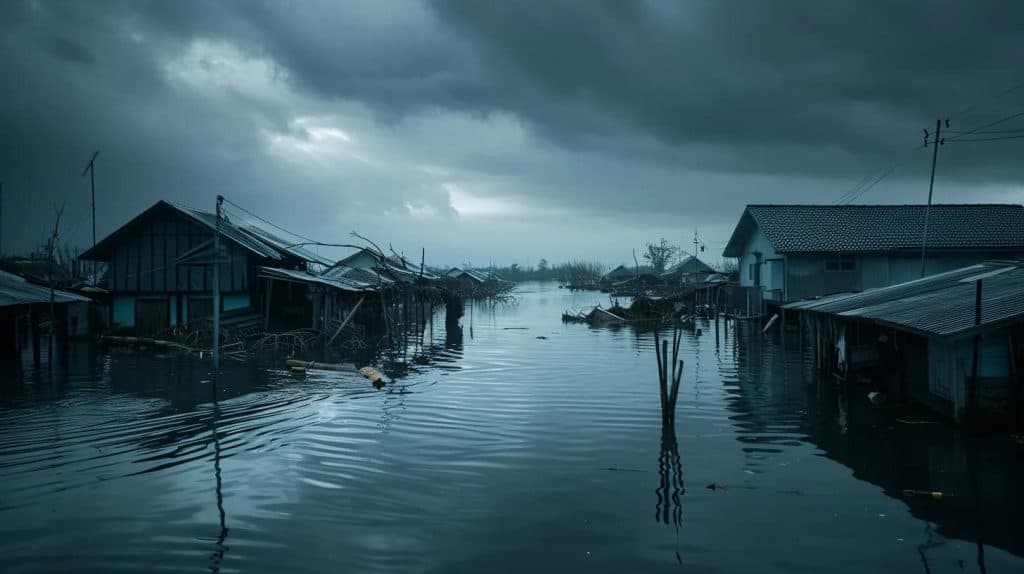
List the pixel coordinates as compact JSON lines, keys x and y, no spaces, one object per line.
{"x":933,"y":494}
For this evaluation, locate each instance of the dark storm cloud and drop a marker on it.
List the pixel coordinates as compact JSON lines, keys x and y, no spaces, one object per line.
{"x":772,"y":85}
{"x":65,"y":49}
{"x":640,"y":113}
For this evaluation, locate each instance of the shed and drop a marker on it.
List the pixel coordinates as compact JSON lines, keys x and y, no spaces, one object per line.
{"x":955,"y":337}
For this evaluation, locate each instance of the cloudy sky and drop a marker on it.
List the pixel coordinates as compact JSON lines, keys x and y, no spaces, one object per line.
{"x":488,"y":131}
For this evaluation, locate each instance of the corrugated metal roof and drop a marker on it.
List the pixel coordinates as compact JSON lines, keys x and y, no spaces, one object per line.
{"x":478,"y":276}
{"x":942,"y":304}
{"x":306,"y":277}
{"x":284,"y":245}
{"x":361,"y":275}
{"x":880,"y":228}
{"x":228,"y":230}
{"x":15,"y":290}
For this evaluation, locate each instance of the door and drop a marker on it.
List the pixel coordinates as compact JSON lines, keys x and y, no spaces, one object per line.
{"x":152,"y":316}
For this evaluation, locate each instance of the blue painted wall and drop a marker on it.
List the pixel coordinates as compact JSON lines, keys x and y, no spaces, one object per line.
{"x":235,"y":301}
{"x":124,"y":310}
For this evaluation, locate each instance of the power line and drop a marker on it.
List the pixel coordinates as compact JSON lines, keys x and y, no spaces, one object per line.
{"x":869,"y":182}
{"x":964,"y":132}
{"x":873,"y":183}
{"x":1005,"y":92}
{"x":988,"y":125}
{"x":274,"y":225}
{"x":993,"y":139}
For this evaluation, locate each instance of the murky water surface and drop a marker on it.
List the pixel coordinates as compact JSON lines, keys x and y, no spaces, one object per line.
{"x":518,"y":445}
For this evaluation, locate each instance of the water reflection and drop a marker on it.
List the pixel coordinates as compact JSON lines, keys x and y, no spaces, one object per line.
{"x":217,"y":556}
{"x":669,"y":507}
{"x":485,"y":454}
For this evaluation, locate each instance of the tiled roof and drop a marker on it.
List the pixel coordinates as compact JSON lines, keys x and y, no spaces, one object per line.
{"x":881,"y":228}
{"x":343,"y":283}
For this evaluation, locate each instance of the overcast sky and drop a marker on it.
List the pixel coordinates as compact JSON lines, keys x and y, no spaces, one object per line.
{"x":488,"y":131}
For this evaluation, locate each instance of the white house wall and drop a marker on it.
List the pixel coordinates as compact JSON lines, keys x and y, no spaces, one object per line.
{"x":758,"y":243}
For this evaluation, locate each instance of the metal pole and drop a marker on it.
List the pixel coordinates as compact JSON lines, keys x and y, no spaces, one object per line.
{"x":92,"y":190}
{"x":931,"y":185}
{"x":91,"y":168}
{"x":216,"y":286}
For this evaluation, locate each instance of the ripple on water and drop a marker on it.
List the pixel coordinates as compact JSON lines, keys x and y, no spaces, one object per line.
{"x":491,"y":450}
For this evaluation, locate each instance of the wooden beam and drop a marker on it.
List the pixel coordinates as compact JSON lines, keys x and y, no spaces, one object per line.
{"x":347,"y":319}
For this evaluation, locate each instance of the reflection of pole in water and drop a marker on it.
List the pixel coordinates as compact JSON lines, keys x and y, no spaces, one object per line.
{"x":218,"y":554}
{"x":671,"y":487}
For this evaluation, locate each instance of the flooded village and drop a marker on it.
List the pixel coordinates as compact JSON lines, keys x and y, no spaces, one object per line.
{"x":225,"y":336}
{"x":442,"y":286}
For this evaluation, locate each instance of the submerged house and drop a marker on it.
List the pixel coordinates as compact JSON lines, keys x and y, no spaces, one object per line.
{"x":24,"y":305}
{"x":690,"y":270}
{"x":792,"y":252}
{"x":620,"y":273}
{"x":953,"y":341}
{"x":468,"y":279}
{"x":161,"y":267}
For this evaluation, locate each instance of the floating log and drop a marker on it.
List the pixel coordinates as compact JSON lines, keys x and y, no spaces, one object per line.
{"x":146,"y":341}
{"x":320,"y":366}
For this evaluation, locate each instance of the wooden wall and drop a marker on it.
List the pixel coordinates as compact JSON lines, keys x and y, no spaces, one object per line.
{"x":144,"y":262}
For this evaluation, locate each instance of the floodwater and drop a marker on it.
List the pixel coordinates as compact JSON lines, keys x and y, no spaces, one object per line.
{"x":518,"y":445}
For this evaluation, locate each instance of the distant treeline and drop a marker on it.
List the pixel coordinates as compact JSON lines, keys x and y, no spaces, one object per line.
{"x":574,"y":272}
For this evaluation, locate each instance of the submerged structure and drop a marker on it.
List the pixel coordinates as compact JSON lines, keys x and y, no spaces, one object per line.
{"x":161,"y":267}
{"x":953,"y":341}
{"x":23,"y":306}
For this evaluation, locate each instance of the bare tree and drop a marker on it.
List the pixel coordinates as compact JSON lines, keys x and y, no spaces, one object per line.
{"x":729,"y":266}
{"x":659,"y":254}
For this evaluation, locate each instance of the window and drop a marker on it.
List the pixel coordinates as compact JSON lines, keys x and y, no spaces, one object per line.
{"x":840,"y":263}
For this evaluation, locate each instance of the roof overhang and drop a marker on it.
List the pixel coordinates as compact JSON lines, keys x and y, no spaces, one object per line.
{"x":740,"y":235}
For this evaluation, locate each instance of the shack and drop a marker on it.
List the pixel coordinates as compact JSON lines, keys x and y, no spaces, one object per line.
{"x":23,"y":306}
{"x":620,"y":273}
{"x":951,"y":341}
{"x":466,"y":277}
{"x":689,"y":270}
{"x":161,"y":268}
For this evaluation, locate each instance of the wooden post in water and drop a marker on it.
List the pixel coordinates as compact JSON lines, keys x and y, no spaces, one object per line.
{"x":34,"y":319}
{"x":972,"y":393}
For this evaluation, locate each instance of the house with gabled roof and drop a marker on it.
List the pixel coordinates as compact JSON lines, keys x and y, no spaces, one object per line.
{"x":161,"y":268}
{"x":793,"y":252}
{"x":689,"y":270}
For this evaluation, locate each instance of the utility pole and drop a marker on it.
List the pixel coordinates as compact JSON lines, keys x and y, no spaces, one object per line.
{"x":931,"y":184}
{"x":695,"y":241}
{"x":216,"y":287}
{"x":91,"y":168}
